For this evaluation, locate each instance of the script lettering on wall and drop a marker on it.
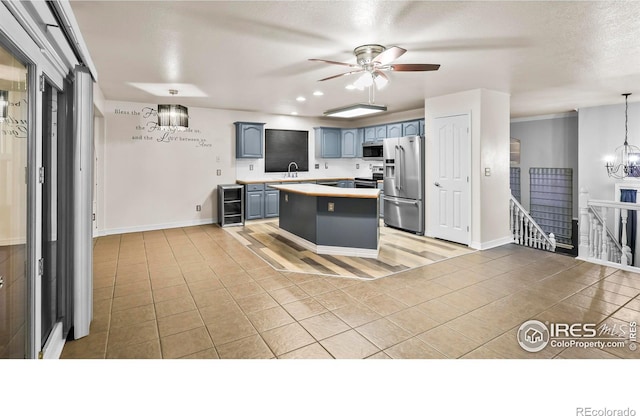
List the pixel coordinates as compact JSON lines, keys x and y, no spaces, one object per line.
{"x":147,"y":129}
{"x":13,"y":126}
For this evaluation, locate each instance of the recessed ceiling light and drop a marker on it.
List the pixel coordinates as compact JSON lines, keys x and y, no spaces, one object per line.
{"x":350,"y":87}
{"x":301,"y":98}
{"x":294,"y":113}
{"x":318,"y":93}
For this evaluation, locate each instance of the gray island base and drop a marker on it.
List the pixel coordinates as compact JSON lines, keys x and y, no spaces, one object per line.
{"x":330,"y":220}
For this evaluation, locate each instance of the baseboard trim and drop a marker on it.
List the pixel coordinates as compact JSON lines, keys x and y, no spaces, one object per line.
{"x":154,"y":227}
{"x":331,"y":250}
{"x":491,"y":244}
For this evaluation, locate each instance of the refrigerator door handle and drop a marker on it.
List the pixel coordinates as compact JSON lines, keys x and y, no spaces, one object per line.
{"x":399,"y":201}
{"x":398,"y":171}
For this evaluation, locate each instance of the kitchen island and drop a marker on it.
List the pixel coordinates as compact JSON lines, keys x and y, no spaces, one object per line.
{"x":330,"y":220}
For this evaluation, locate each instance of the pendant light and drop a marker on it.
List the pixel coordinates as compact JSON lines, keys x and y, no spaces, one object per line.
{"x":173,"y":116}
{"x":625,"y":162}
{"x":4,"y":105}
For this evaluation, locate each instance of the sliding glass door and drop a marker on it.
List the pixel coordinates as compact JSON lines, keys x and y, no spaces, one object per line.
{"x":14,"y":293}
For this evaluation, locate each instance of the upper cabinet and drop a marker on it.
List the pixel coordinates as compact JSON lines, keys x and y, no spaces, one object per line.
{"x":350,"y":143}
{"x":411,"y":128}
{"x":381,"y":132}
{"x":249,"y":139}
{"x":421,"y":121}
{"x":394,"y":130}
{"x":369,"y":134}
{"x":328,"y":142}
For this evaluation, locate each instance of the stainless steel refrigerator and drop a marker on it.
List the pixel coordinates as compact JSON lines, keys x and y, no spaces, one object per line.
{"x":404,"y":183}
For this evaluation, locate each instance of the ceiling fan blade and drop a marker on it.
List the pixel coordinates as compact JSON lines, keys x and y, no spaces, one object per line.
{"x":389,"y":55}
{"x":414,"y":67}
{"x":335,"y":62}
{"x":341,"y":75}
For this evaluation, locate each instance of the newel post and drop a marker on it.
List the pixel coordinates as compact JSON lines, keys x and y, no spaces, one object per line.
{"x":584,"y":223}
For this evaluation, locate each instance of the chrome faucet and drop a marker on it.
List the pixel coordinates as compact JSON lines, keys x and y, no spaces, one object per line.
{"x":289,"y":170}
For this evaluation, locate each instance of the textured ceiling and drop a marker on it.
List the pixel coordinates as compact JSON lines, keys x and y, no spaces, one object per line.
{"x":551,"y":57}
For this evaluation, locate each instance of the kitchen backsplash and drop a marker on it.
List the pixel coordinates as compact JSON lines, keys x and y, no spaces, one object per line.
{"x":328,"y":168}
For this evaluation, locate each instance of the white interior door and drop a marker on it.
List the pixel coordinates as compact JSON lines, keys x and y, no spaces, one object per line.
{"x":450,"y":192}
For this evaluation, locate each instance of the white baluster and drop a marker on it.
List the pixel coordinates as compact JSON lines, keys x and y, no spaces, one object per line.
{"x":604,"y":252}
{"x":526,"y":233}
{"x":584,"y":223}
{"x":521,"y":228}
{"x":598,"y":242}
{"x":512,"y":227}
{"x":626,"y":251}
{"x":606,"y":245}
{"x":552,"y":241}
{"x":592,"y":234}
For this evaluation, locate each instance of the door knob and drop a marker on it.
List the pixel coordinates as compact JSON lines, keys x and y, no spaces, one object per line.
{"x":437,"y":184}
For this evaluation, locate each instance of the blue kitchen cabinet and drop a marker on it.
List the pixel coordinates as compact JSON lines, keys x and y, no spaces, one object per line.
{"x":394,"y":130}
{"x":328,"y":142}
{"x":249,"y":139}
{"x":349,"y":142}
{"x":381,"y":132}
{"x":254,"y":201}
{"x":271,"y":200}
{"x":359,"y":143}
{"x":369,"y":134}
{"x":271,"y":203}
{"x":411,"y":128}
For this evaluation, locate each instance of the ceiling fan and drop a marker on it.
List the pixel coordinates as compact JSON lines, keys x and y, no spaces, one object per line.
{"x":372,"y":62}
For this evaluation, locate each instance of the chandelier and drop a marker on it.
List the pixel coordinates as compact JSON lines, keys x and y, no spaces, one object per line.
{"x":627,"y":156}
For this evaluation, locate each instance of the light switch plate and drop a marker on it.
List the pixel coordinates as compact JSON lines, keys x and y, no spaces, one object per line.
{"x":357,"y":165}
{"x":250,"y":167}
{"x":317,"y":165}
{"x":198,"y":208}
{"x":218,"y":172}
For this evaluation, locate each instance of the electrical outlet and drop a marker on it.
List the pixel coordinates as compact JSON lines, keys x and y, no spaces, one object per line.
{"x":218,"y":172}
{"x":487,"y":171}
{"x":198,"y":208}
{"x":370,"y":166}
{"x":317,"y":165}
{"x":331,"y":207}
{"x":326,"y":165}
{"x":357,"y":165}
{"x":250,"y":167}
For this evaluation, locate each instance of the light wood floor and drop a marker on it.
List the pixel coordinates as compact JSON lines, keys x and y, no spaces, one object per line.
{"x":399,"y":251}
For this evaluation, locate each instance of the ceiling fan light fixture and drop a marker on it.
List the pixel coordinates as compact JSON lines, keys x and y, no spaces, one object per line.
{"x":364,"y":81}
{"x":380,"y":80}
{"x":355,"y":110}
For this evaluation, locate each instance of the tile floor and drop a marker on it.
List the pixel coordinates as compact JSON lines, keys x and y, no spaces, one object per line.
{"x":197,"y":293}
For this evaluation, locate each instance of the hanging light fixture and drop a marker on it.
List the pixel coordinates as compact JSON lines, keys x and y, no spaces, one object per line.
{"x":173,"y":115}
{"x":4,"y":105}
{"x":625,"y":161}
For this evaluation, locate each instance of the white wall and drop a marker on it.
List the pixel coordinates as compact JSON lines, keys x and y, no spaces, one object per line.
{"x":145,"y":183}
{"x":489,"y":118}
{"x":600,"y":132}
{"x":495,"y":155}
{"x":549,"y":142}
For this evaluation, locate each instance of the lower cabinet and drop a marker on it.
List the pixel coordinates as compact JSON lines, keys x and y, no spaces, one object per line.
{"x":254,"y":201}
{"x":271,"y":203}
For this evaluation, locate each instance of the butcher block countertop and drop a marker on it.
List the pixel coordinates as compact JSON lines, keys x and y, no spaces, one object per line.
{"x":311,"y":189}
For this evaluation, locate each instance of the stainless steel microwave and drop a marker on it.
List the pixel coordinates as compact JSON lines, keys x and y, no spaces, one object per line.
{"x":372,"y":150}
